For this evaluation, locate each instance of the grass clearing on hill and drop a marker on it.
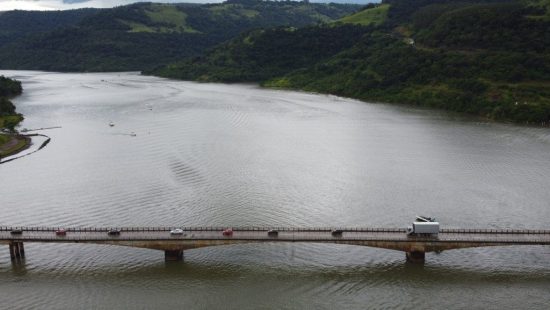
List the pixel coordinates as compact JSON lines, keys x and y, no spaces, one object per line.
{"x":374,"y":16}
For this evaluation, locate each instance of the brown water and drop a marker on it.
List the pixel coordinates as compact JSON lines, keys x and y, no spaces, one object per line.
{"x":235,"y":155}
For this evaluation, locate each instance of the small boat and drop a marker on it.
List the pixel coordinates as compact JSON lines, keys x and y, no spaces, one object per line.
{"x":111,"y":124}
{"x":133,"y":134}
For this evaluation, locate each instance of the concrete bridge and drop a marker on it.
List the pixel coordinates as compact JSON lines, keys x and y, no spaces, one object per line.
{"x":160,"y":238}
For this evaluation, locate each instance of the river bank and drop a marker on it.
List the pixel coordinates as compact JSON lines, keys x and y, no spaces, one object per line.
{"x":11,"y":144}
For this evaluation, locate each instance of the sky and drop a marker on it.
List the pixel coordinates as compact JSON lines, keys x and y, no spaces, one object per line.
{"x":6,"y":5}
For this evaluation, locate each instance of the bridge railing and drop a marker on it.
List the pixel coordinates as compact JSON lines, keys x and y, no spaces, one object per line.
{"x":495,"y":231}
{"x":282,"y":229}
{"x":264,"y":238}
{"x":199,"y":228}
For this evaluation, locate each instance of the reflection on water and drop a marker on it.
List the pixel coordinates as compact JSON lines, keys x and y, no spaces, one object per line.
{"x":236,"y":155}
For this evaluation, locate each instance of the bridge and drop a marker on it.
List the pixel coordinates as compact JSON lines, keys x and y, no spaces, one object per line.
{"x":160,"y":238}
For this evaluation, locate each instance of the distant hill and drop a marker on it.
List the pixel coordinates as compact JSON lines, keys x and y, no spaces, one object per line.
{"x":489,"y":58}
{"x":16,"y":24}
{"x":143,"y":35}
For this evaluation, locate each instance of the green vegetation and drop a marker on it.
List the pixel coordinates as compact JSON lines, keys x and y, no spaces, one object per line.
{"x":9,"y":88}
{"x":372,"y":15}
{"x":141,"y":36}
{"x":488,"y":58}
{"x":16,"y":24}
{"x":10,"y":145}
{"x":9,"y":119}
{"x":543,"y":7}
{"x":166,"y":19}
{"x":264,"y":54}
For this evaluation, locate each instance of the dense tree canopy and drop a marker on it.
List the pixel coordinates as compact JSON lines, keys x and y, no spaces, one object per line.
{"x":8,"y":88}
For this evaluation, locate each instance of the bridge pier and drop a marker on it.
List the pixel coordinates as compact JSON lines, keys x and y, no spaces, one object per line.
{"x":416,"y":257}
{"x":17,"y":250}
{"x":173,"y":255}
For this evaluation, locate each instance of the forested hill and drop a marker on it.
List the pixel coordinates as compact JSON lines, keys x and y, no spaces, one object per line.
{"x":16,"y":24}
{"x":490,"y":58}
{"x":143,"y":35}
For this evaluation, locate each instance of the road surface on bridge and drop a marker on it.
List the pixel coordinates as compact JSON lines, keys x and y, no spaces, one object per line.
{"x":160,"y":238}
{"x":284,"y":234}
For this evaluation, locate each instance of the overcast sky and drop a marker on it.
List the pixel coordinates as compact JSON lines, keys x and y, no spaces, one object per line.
{"x":6,"y":5}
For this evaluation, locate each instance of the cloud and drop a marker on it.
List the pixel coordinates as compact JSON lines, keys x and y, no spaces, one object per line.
{"x":75,"y":1}
{"x":6,"y":5}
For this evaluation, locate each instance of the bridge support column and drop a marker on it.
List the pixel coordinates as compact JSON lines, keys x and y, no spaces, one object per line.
{"x":17,"y":250}
{"x":173,"y":255}
{"x":416,"y":257}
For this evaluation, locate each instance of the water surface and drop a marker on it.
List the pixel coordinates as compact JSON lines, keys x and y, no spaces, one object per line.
{"x":239,"y":155}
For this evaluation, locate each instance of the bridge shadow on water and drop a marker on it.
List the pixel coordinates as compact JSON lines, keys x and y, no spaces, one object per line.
{"x":291,"y":276}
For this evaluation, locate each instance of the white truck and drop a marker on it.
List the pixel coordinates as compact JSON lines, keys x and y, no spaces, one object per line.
{"x":423,"y":228}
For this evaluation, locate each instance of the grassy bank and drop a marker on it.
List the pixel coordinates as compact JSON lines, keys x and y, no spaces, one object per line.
{"x":13,"y":144}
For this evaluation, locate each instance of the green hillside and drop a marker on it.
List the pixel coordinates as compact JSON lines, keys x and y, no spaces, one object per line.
{"x":265,"y":54}
{"x":374,"y":15}
{"x":143,"y":35}
{"x":488,"y":58}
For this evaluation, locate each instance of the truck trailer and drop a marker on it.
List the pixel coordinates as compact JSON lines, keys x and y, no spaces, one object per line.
{"x":423,"y":228}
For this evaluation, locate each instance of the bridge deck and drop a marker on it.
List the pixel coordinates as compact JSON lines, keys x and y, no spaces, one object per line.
{"x":38,"y":234}
{"x":197,"y":237}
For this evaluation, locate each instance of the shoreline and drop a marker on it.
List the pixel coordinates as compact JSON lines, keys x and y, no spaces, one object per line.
{"x":373,"y":100}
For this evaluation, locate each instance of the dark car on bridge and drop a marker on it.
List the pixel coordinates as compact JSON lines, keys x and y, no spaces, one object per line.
{"x":272,"y":233}
{"x":337,"y":232}
{"x":113,"y":232}
{"x":61,"y":232}
{"x":16,"y":231}
{"x":228,"y":232}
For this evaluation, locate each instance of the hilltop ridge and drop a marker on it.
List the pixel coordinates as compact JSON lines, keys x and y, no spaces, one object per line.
{"x":143,"y":35}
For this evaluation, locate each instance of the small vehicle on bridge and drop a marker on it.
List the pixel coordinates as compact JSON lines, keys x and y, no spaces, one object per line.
{"x":228,"y":232}
{"x":176,"y":231}
{"x":16,"y":231}
{"x":61,"y":232}
{"x":113,"y":232}
{"x":337,"y":232}
{"x":272,"y":233}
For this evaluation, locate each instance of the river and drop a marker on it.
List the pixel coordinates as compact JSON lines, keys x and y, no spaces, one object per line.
{"x":240,"y":155}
